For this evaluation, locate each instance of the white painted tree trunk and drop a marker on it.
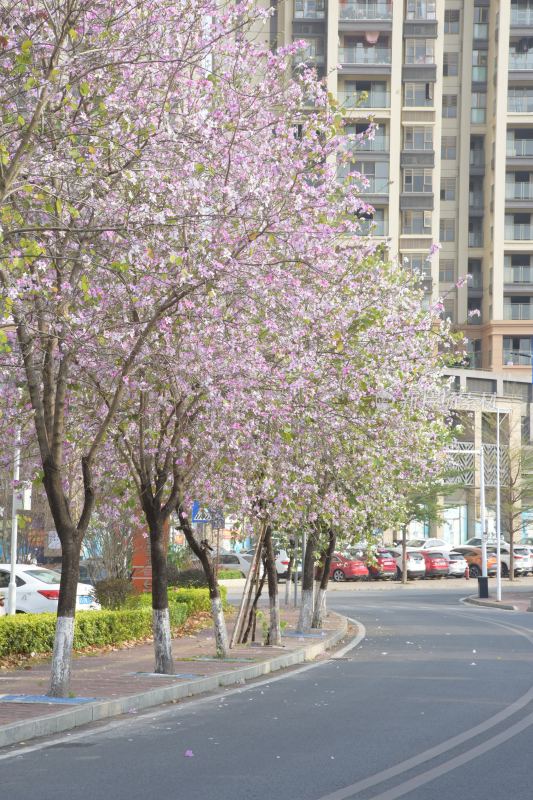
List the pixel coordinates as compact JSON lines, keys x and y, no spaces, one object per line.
{"x":164,"y":663}
{"x":274,"y":629}
{"x":221,"y":633}
{"x":306,"y":610}
{"x":320,"y":609}
{"x":61,"y":657}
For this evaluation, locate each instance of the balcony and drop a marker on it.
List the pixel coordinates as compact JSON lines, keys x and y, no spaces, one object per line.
{"x":520,"y":103}
{"x":473,"y":360}
{"x":481,"y":30}
{"x":477,"y":158}
{"x":513,"y":359}
{"x":475,"y":239}
{"x":475,"y":199}
{"x":519,"y":233}
{"x":518,"y":311}
{"x":421,"y":10}
{"x":365,"y":55}
{"x":380,"y":144}
{"x":365,"y":10}
{"x":376,"y":185}
{"x":517,"y":148}
{"x":479,"y":74}
{"x":309,"y":9}
{"x":519,"y":191}
{"x":372,"y":99}
{"x":521,"y":16}
{"x":518,"y":275}
{"x":521,"y":61}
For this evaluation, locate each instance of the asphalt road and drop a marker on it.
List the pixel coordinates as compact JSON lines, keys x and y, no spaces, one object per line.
{"x":436,"y":703}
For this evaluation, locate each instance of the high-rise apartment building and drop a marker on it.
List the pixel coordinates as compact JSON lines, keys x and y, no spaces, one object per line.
{"x":450,"y":83}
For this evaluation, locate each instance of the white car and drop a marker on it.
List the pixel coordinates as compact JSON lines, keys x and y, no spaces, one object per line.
{"x":38,"y":590}
{"x":457,"y":564}
{"x":416,"y":566}
{"x":236,"y":561}
{"x":522,"y":558}
{"x":429,"y":545}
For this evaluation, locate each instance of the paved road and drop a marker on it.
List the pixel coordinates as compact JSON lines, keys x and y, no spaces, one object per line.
{"x":436,"y":703}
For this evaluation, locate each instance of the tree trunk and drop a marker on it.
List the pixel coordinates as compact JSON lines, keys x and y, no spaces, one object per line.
{"x":308,"y":567}
{"x":250,"y":628}
{"x":274,"y":628}
{"x":320,"y":602}
{"x":66,"y":611}
{"x":201,"y":552}
{"x":289,"y":577}
{"x":404,"y":554}
{"x":511,"y":548}
{"x":164,"y":663}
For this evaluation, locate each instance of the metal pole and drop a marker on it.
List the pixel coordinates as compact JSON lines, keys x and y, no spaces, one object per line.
{"x":498,"y":522}
{"x":295,"y":597}
{"x":482,"y":512}
{"x":12,"y":590}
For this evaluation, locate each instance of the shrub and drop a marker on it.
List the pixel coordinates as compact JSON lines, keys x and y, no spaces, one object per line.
{"x":113,"y":593}
{"x":24,"y":634}
{"x":195,"y":599}
{"x":190,"y":578}
{"x":228,"y":574}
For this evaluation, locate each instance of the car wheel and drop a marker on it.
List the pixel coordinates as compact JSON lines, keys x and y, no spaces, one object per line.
{"x":475,"y":571}
{"x":338,"y":576}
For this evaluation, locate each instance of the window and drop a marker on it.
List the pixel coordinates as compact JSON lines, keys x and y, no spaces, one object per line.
{"x":417,"y":180}
{"x":419,"y":51}
{"x":450,"y":65}
{"x":449,"y":310}
{"x":449,"y":106}
{"x":418,"y":138}
{"x":448,"y":149}
{"x":446,"y":271}
{"x":417,"y":262}
{"x":416,"y":222}
{"x":517,"y":350}
{"x":447,"y":230}
{"x":418,"y":94}
{"x":309,"y":9}
{"x":475,"y":232}
{"x":452,"y":19}
{"x":447,"y":188}
{"x":479,"y":65}
{"x":421,"y":9}
{"x":481,"y":22}
{"x":479,"y":107}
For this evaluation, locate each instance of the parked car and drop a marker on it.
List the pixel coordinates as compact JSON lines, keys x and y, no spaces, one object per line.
{"x":282,"y":563}
{"x":473,"y":557}
{"x":522,"y":559}
{"x":437,"y":545}
{"x":477,"y":541}
{"x":346,"y":568}
{"x":415,"y":564}
{"x":457,"y":564}
{"x":235,"y":561}
{"x":437,"y":564}
{"x":2,"y":605}
{"x":380,"y":562}
{"x":38,"y":589}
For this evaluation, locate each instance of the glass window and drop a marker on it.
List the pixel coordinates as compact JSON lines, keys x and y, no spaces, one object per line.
{"x":481,"y":22}
{"x":452,"y":18}
{"x":447,"y":230}
{"x":417,"y":262}
{"x":309,"y":9}
{"x":419,"y":51}
{"x":447,"y":271}
{"x":479,"y":107}
{"x":450,"y":65}
{"x":44,"y":575}
{"x":418,"y":94}
{"x":449,"y":106}
{"x":421,"y":9}
{"x":447,"y":188}
{"x":418,"y":138}
{"x":479,"y":65}
{"x":449,"y":148}
{"x":417,"y":180}
{"x":416,"y":222}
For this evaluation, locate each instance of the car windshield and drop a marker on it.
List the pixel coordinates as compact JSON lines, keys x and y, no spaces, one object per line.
{"x":44,"y":575}
{"x":416,"y":542}
{"x":456,"y":556}
{"x":415,"y":556}
{"x":436,"y":555}
{"x":384,"y":554}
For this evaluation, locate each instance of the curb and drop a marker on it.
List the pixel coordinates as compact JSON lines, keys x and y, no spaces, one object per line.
{"x":475,"y":601}
{"x":68,"y":719}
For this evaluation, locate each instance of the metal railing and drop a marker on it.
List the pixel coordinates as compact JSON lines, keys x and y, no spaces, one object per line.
{"x":366,"y":9}
{"x":520,"y":103}
{"x":371,"y":99}
{"x":519,"y":233}
{"x":520,"y":147}
{"x":521,"y":16}
{"x":364,"y":55}
{"x":519,"y":191}
{"x":380,"y":144}
{"x":521,"y":61}
{"x":518,"y":274}
{"x":518,"y":311}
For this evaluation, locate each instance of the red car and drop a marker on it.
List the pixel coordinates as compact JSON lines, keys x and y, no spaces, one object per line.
{"x":436,"y":564}
{"x":347,"y":569}
{"x":381,"y":564}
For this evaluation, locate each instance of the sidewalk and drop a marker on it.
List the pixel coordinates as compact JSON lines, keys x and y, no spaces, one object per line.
{"x":511,"y":601}
{"x":122,"y":682}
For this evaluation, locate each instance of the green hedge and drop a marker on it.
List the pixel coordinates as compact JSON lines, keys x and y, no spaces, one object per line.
{"x":195,"y":599}
{"x":229,"y":574}
{"x":24,"y":634}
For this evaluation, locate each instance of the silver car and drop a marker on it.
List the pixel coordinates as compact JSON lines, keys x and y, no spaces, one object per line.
{"x":416,"y":565}
{"x":457,"y":564}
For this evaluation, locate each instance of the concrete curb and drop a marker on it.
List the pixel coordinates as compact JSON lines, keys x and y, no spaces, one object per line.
{"x":476,"y":601}
{"x":68,"y":719}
